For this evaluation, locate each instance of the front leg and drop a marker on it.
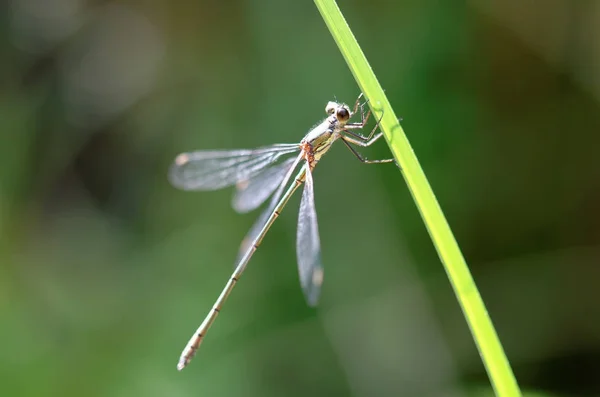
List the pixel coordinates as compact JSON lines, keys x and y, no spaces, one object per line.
{"x":360,"y":142}
{"x":363,"y":118}
{"x":347,"y":141}
{"x":355,"y":126}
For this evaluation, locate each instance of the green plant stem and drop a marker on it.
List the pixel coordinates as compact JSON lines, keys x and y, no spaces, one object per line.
{"x":481,"y":326}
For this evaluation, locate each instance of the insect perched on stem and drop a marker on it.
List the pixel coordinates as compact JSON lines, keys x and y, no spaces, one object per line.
{"x":260,"y":173}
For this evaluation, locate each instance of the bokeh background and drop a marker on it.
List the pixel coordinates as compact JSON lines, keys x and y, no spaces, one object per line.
{"x":106,"y":270}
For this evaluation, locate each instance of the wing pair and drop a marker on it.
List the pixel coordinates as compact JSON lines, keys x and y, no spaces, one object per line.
{"x":258,"y":174}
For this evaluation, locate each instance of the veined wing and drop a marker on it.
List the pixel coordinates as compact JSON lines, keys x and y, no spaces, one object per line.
{"x":308,"y":244}
{"x":250,"y":194}
{"x":216,"y":169}
{"x":262,"y":219}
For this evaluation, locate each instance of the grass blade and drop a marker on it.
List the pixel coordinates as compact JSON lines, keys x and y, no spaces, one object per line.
{"x":481,"y":326}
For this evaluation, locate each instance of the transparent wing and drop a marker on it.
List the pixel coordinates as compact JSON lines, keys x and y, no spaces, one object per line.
{"x":252,"y":193}
{"x":262,"y":219}
{"x":308,"y":245}
{"x":216,"y":169}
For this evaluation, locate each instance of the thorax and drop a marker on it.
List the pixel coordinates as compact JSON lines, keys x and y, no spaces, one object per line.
{"x":319,"y":140}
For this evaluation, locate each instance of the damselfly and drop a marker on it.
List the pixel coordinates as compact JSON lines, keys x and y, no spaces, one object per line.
{"x":263,"y":172}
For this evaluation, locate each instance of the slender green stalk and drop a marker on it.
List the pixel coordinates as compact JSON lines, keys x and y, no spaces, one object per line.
{"x":483,"y":331}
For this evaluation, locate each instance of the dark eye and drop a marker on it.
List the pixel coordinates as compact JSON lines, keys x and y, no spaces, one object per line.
{"x":343,"y":114}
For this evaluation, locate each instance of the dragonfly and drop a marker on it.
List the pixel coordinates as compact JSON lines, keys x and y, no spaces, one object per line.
{"x":265,"y":172}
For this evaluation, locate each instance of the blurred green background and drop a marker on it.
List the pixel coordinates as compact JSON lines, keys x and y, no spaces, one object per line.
{"x":106,"y":270}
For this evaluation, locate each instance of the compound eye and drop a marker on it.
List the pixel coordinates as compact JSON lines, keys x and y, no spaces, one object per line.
{"x":330,"y":108}
{"x":343,"y":114}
